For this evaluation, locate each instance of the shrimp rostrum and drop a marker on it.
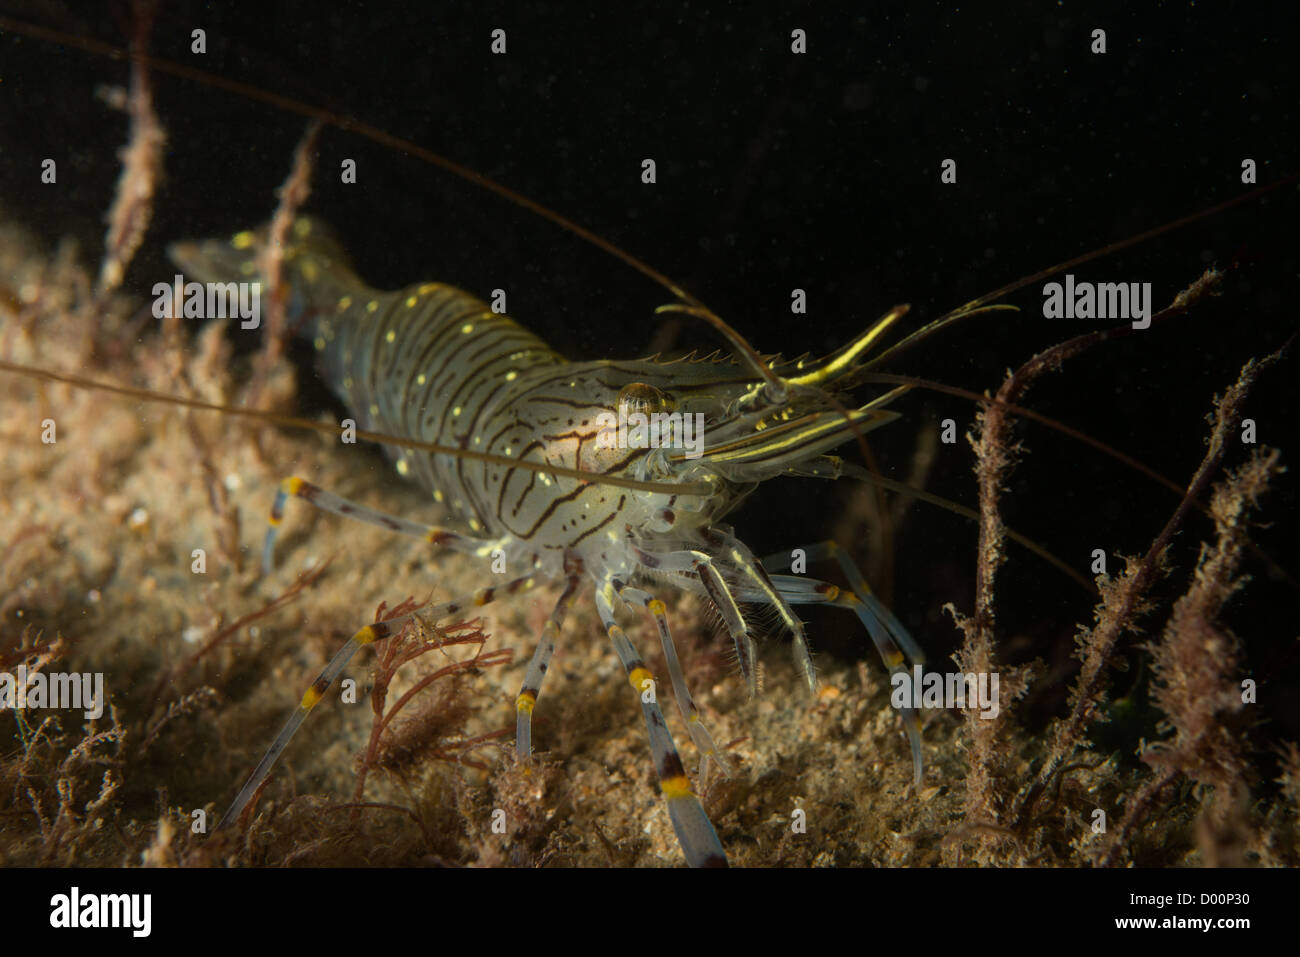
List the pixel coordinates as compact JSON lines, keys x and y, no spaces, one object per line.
{"x":613,"y":473}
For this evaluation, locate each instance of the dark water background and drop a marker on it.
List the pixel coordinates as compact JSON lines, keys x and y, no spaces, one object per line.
{"x":775,"y":171}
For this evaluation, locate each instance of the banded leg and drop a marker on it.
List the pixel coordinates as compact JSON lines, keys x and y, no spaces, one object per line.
{"x":886,"y":631}
{"x":536,"y":673}
{"x":827,"y":550}
{"x":338,"y":505}
{"x":681,"y":691}
{"x":752,"y":579}
{"x":700,"y":566}
{"x":695,"y":833}
{"x":366,"y":636}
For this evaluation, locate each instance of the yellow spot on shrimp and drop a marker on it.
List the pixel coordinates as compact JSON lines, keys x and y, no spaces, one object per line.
{"x":391,"y":336}
{"x":319,"y":343}
{"x":344,"y":303}
{"x":467,"y":328}
{"x":410,"y":302}
{"x":677,"y":786}
{"x":512,"y":375}
{"x":372,"y":305}
{"x":420,"y":380}
{"x":402,"y":467}
{"x":242,"y":240}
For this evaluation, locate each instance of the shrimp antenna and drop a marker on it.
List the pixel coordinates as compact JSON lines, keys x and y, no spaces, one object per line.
{"x":379,"y":438}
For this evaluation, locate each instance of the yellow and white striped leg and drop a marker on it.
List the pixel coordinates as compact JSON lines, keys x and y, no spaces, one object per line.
{"x":366,"y":636}
{"x":695,"y":833}
{"x":827,"y":550}
{"x":701,"y":566}
{"x":536,"y":673}
{"x":887,"y":634}
{"x":337,"y":505}
{"x":681,"y":691}
{"x":749,"y":577}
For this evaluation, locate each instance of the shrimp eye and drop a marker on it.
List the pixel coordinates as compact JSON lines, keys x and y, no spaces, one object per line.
{"x":644,"y":398}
